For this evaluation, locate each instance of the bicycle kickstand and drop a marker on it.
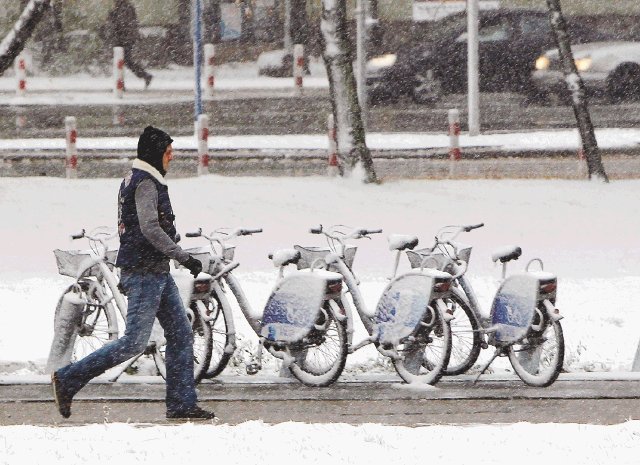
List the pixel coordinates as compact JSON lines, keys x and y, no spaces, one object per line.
{"x":255,"y":363}
{"x":495,"y":355}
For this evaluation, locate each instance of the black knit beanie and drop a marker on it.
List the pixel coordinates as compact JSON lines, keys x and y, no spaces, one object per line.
{"x":152,"y":144}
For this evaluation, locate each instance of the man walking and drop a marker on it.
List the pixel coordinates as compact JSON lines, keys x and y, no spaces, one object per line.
{"x":147,"y":243}
{"x":123,"y":23}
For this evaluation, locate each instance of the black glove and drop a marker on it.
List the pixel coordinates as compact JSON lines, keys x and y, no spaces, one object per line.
{"x":193,"y":265}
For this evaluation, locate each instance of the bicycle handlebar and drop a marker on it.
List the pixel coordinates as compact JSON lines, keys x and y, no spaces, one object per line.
{"x":454,"y":231}
{"x":472,"y":227}
{"x":334,"y":233}
{"x":220,"y":236}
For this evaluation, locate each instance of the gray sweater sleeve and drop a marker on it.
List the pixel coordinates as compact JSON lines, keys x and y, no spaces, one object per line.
{"x":147,"y":206}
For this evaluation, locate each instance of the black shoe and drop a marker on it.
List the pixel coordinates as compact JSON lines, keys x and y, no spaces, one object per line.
{"x":195,"y":413}
{"x":63,"y":400}
{"x":147,"y":81}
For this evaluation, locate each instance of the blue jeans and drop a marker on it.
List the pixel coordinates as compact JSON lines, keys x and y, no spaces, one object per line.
{"x":150,"y":295}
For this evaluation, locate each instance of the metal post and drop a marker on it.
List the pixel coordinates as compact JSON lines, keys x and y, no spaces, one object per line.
{"x":197,"y":56}
{"x":287,"y":27}
{"x":203,"y":144}
{"x":454,"y":135}
{"x":118,"y":72}
{"x":209,"y":60}
{"x":298,"y":67}
{"x":361,"y":57}
{"x":21,"y":75}
{"x":71,"y":160}
{"x":473,"y":64}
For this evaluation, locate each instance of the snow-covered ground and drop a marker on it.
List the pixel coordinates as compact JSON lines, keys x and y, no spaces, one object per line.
{"x":557,"y":139}
{"x":586,"y":232}
{"x":335,"y":444}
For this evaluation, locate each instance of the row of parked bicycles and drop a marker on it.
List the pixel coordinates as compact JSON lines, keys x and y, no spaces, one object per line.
{"x":428,"y":321}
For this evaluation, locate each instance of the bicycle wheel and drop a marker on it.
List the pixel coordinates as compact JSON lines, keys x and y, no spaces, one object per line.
{"x":465,"y":335}
{"x":424,"y":358}
{"x":320,"y":358}
{"x":538,"y":358}
{"x":98,"y":325}
{"x":217,"y":320}
{"x":201,"y":346}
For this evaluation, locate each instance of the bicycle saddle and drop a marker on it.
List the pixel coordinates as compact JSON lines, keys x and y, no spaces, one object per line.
{"x":284,"y":257}
{"x":402,"y":242}
{"x":506,"y":254}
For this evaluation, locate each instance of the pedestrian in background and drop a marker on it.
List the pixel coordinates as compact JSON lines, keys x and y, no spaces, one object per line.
{"x":122,"y":31}
{"x":147,"y":243}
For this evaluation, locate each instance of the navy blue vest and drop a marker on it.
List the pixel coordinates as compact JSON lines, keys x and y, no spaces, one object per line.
{"x":136,"y":252}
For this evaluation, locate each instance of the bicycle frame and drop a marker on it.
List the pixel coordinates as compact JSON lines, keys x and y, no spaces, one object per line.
{"x":221,"y":268}
{"x":520,"y":301}
{"x":336,"y":260}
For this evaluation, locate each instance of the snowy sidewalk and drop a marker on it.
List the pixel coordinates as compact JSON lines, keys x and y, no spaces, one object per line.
{"x":547,"y":140}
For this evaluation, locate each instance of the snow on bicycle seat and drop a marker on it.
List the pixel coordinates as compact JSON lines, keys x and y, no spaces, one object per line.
{"x":284,"y":257}
{"x":505,"y":254}
{"x":402,"y":242}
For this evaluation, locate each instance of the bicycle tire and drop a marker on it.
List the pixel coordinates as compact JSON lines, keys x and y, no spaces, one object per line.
{"x":99,"y":324}
{"x":424,"y":359}
{"x":201,"y":347}
{"x":220,"y":337}
{"x":465,"y":335}
{"x":550,"y":356}
{"x":328,"y":342}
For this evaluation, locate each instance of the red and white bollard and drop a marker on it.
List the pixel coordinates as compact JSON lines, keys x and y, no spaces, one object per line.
{"x":21,"y":118}
{"x":118,"y":72}
{"x":71,"y":161}
{"x":333,"y":169}
{"x":209,"y":62}
{"x":298,"y":67}
{"x":203,"y":144}
{"x":21,"y":75}
{"x":454,"y":135}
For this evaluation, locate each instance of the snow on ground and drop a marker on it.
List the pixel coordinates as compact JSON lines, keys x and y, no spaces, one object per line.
{"x":335,"y":444}
{"x":559,"y":139}
{"x":585,"y":232}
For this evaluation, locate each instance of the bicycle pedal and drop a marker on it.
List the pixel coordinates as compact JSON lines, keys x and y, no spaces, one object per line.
{"x":252,"y":368}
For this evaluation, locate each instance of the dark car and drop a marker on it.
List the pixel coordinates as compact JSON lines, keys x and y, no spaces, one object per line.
{"x":436,"y":62}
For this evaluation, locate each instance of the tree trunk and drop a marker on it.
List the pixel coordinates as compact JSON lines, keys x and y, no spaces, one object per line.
{"x":347,"y":114}
{"x":15,"y":40}
{"x":575,"y":86}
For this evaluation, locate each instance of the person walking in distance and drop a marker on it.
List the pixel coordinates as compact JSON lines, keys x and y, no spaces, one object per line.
{"x":147,"y":243}
{"x":122,"y":22}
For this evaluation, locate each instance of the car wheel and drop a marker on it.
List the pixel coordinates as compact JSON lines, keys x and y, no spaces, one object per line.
{"x":624,"y":83}
{"x":427,"y":88}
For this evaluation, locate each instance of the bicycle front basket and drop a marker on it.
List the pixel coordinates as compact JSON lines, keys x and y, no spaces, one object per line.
{"x":308,"y":255}
{"x":426,"y":259}
{"x":70,"y":262}
{"x":203,"y":254}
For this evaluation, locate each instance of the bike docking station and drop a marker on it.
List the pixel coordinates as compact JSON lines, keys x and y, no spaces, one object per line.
{"x":409,"y":320}
{"x":523,"y":322}
{"x":298,"y":325}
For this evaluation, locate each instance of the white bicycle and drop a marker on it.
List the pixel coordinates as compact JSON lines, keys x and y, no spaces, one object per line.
{"x":301,"y":323}
{"x":88,"y":312}
{"x":523,"y":323}
{"x":410,"y":324}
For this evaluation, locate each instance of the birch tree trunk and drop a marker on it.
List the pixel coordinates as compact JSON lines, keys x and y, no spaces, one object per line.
{"x":15,"y":40}
{"x":347,"y":113}
{"x":576,"y":87}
